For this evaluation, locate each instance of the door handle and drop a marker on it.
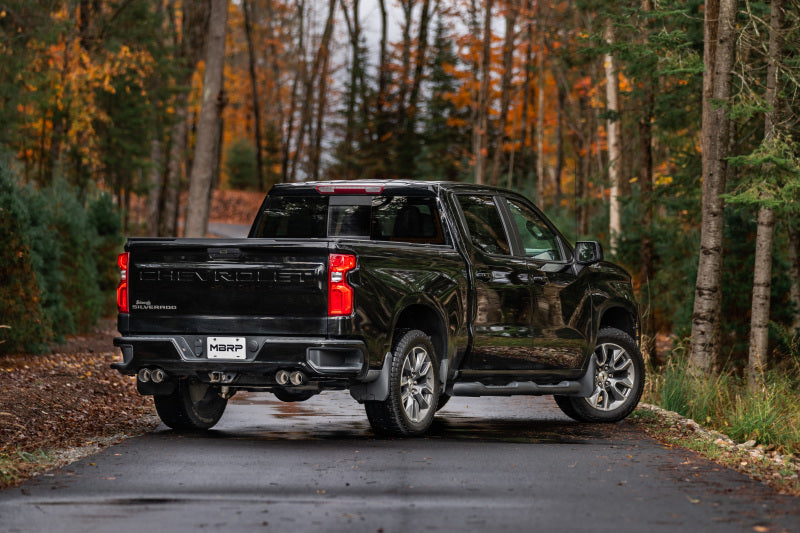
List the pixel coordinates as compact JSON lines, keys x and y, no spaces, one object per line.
{"x":539,"y":279}
{"x":483,"y":275}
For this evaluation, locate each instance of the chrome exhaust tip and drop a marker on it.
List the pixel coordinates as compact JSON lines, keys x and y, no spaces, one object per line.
{"x":297,"y":378}
{"x":143,"y":375}
{"x":282,"y":377}
{"x":157,"y":375}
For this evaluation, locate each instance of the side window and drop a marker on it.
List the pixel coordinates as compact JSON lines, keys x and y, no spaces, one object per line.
{"x":484,"y":224}
{"x":406,"y":219}
{"x":538,"y":239}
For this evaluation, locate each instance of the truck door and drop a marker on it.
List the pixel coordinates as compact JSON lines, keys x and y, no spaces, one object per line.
{"x":561,"y":316}
{"x":502,"y":305}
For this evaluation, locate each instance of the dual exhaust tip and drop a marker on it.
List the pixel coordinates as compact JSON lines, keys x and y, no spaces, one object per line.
{"x":284,"y":377}
{"x":156,"y":375}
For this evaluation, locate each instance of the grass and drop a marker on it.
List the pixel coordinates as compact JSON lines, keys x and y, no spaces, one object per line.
{"x":17,"y":465}
{"x":769,"y":414}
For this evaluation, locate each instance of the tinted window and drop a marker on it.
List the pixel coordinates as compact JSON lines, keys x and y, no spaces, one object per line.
{"x":484,"y":224}
{"x":406,"y":219}
{"x":387,"y":218}
{"x":538,"y":239}
{"x":296,"y":217}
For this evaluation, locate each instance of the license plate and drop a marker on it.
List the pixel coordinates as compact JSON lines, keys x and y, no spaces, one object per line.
{"x":226,"y":348}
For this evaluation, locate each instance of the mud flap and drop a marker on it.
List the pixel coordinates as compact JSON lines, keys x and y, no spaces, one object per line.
{"x":377,"y":390}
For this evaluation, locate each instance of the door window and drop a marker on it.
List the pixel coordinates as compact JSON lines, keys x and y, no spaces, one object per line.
{"x":538,"y":239}
{"x":484,"y":224}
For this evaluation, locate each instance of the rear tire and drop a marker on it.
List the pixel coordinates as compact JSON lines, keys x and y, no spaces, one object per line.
{"x":192,"y":406}
{"x":618,"y":381}
{"x":413,"y":389}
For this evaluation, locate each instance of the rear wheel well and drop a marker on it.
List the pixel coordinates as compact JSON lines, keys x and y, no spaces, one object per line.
{"x":428,"y":321}
{"x":619,"y":318}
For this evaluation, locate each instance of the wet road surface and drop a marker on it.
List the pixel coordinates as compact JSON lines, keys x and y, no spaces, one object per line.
{"x":490,"y":464}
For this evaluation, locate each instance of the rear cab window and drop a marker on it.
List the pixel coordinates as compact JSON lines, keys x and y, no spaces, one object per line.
{"x":399,"y":218}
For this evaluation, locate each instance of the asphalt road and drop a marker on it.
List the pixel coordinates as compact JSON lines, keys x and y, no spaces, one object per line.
{"x":490,"y":464}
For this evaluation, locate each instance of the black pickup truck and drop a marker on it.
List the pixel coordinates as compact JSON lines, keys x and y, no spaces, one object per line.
{"x":403,"y":292}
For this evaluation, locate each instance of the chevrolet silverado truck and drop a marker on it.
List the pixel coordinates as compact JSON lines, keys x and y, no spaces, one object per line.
{"x":405,"y":293}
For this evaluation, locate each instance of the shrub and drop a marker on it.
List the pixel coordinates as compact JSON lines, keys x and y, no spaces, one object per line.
{"x":65,"y":247}
{"x":240,"y":165}
{"x":24,"y":324}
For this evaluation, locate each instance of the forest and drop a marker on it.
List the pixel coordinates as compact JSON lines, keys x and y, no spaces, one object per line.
{"x":666,"y":129}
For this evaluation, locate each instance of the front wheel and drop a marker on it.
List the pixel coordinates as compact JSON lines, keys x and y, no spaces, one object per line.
{"x":413,"y":389}
{"x":193,"y":405}
{"x":618,"y":381}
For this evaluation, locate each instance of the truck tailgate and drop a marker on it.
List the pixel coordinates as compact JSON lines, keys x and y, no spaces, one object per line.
{"x":239,"y":286}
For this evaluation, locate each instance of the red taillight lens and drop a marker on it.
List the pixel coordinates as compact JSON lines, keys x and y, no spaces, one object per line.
{"x":122,"y":288}
{"x":340,"y":293}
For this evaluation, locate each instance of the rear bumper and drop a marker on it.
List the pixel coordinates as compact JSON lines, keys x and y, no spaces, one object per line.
{"x":321,"y":359}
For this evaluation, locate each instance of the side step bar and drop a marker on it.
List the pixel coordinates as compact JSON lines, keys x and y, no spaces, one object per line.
{"x":582,"y":387}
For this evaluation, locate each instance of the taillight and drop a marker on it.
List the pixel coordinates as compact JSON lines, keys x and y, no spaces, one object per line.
{"x":340,"y":293}
{"x":122,"y":288}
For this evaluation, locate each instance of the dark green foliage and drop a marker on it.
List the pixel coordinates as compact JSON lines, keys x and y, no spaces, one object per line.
{"x":240,"y":165}
{"x":58,"y":265}
{"x":65,"y":245}
{"x":105,"y":219}
{"x":24,"y":327}
{"x":440,"y":155}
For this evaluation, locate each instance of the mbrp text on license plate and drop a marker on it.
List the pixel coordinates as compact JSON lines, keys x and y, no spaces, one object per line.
{"x":226,"y":347}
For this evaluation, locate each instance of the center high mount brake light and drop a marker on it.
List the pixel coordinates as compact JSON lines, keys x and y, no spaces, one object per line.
{"x":349,"y":189}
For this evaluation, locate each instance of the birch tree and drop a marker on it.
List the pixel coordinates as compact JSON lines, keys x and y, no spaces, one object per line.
{"x":720,"y":44}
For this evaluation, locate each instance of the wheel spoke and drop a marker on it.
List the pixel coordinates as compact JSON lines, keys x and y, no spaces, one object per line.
{"x":617,"y":394}
{"x":420,"y":400}
{"x":625,"y":382}
{"x":625,"y":365}
{"x":594,"y":397}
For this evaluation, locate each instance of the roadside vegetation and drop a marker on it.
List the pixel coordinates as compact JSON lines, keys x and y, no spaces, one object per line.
{"x":768,"y":414}
{"x":57,"y":263}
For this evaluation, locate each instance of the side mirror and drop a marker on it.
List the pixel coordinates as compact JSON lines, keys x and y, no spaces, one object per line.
{"x":588,"y":252}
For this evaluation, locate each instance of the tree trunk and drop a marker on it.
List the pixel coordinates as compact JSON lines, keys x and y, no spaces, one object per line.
{"x":646,"y":270}
{"x":721,"y":37}
{"x":540,"y":111}
{"x":154,"y":173}
{"x":251,"y":63}
{"x":481,"y":133}
{"x":300,"y":70}
{"x":614,"y":150}
{"x":762,"y":270}
{"x":172,"y":183}
{"x":383,"y":74}
{"x":354,"y":31}
{"x":505,"y":91}
{"x":213,"y":98}
{"x":559,"y":168}
{"x":794,"y":273}
{"x":527,"y":94}
{"x":322,"y":101}
{"x":306,"y":113}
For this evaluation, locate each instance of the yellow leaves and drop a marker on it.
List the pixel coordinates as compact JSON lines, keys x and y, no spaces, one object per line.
{"x":662,"y":181}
